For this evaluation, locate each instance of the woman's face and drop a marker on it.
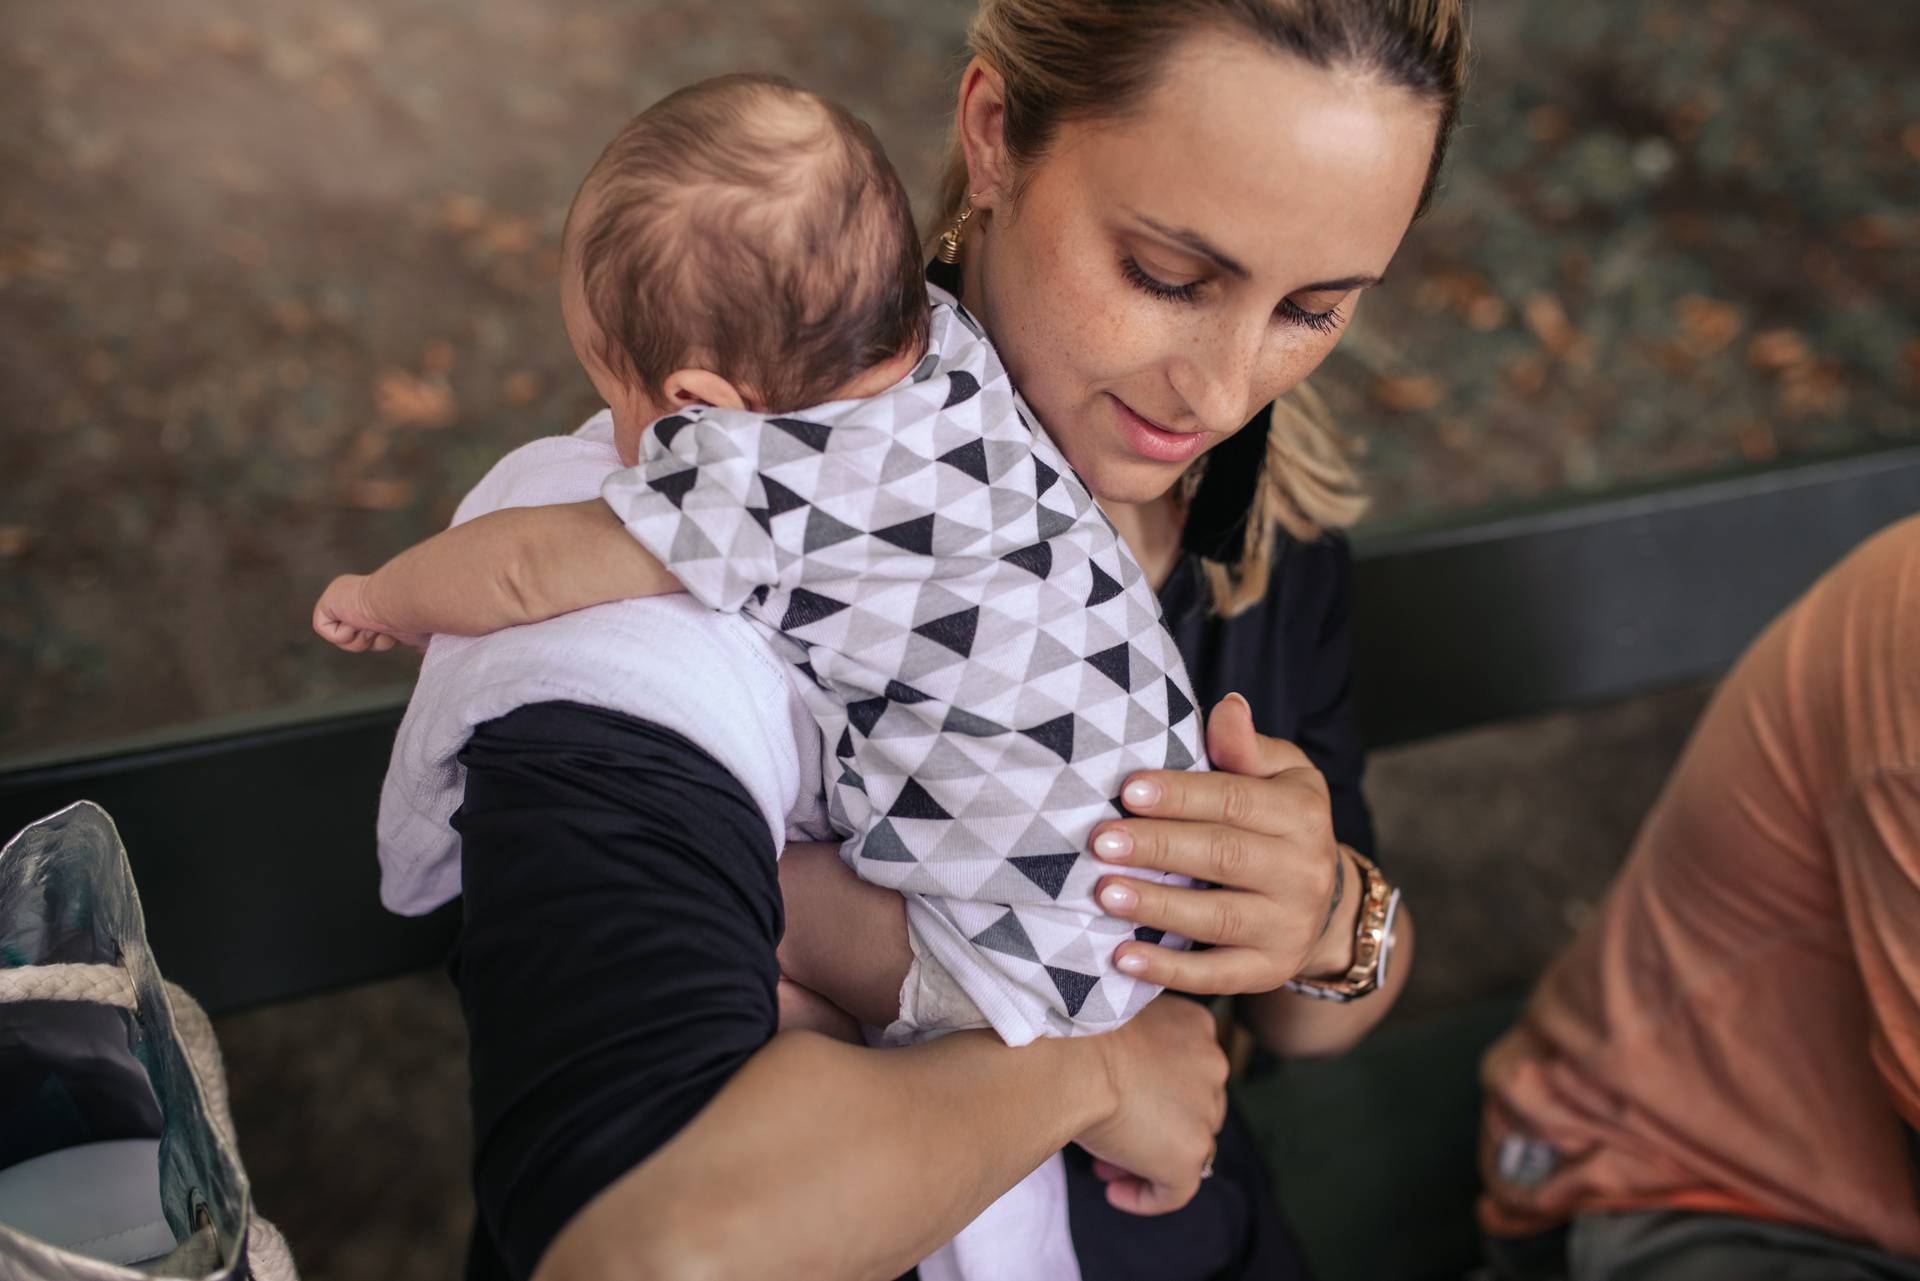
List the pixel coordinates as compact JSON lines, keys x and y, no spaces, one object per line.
{"x":1165,"y":275}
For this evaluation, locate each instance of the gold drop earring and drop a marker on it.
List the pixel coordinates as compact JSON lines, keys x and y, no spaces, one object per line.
{"x":950,"y":238}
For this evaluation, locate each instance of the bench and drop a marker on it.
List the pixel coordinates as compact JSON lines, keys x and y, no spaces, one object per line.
{"x":251,"y":837}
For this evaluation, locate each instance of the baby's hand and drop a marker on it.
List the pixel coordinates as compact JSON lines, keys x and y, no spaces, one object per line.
{"x":342,"y":618}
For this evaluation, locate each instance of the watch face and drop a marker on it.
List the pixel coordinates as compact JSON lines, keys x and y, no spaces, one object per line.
{"x":1386,"y":941}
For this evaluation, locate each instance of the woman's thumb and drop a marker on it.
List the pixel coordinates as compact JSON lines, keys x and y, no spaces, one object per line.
{"x":1232,"y":743}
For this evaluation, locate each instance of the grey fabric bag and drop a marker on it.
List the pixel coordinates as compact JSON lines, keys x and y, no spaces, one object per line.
{"x":117,"y":1155}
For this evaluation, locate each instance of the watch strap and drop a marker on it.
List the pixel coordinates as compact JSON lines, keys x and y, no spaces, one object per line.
{"x":1372,"y":939}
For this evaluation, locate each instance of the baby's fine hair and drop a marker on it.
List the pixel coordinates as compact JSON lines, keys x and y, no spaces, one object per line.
{"x":749,"y":227}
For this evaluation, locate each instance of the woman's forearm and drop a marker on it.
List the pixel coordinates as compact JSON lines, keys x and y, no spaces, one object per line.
{"x":831,"y":1160}
{"x":1298,"y":1026}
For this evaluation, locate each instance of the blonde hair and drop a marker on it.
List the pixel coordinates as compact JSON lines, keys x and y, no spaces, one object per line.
{"x":1075,"y":60}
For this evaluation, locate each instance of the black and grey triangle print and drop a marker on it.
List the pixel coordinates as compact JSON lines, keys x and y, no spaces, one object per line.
{"x":982,"y":653}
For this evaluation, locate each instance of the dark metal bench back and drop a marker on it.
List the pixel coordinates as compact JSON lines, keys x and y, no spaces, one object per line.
{"x":252,"y":842}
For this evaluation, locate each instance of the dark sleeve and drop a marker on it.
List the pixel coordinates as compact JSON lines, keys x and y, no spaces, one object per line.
{"x":616,"y":961}
{"x":1329,"y":730}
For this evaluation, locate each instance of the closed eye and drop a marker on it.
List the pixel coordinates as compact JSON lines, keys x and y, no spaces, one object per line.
{"x":1290,"y":311}
{"x":1138,"y":277}
{"x":1319,"y":321}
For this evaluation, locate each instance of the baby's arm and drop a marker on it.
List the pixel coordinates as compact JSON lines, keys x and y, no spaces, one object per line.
{"x":521,"y":565}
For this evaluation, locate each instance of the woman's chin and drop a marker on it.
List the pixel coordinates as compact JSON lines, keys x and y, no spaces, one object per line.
{"x":1130,"y":481}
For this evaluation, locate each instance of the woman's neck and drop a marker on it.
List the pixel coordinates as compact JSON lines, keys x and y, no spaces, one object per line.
{"x":1151,"y":531}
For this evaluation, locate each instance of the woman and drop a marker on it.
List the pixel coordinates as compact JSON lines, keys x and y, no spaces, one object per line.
{"x":1173,"y":211}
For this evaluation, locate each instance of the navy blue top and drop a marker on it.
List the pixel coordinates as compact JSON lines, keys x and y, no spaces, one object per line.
{"x":597,"y":848}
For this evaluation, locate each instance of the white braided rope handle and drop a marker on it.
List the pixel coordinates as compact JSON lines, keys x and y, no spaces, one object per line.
{"x":95,"y":984}
{"x":268,"y":1257}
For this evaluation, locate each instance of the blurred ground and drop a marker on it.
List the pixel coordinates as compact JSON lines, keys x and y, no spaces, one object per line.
{"x":276,"y":283}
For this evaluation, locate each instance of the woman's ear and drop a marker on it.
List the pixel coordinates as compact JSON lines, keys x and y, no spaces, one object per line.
{"x":702,"y":387}
{"x":981,"y":118}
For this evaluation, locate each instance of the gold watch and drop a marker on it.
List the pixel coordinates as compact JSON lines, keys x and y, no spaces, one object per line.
{"x":1372,"y":939}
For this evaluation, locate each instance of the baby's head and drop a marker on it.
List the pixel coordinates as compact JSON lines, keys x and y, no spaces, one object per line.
{"x":742,"y":242}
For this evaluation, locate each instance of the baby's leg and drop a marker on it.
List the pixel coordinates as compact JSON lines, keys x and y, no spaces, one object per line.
{"x":845,"y":939}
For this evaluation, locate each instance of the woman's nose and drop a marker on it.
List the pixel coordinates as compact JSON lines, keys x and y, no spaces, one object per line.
{"x":1215,"y":379}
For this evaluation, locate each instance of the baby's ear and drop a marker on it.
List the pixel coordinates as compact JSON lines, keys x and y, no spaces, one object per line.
{"x":702,"y":387}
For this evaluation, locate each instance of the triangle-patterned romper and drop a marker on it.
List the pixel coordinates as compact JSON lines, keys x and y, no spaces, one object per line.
{"x":986,"y":660}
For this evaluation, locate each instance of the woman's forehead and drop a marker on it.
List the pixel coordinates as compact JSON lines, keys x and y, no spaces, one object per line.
{"x":1275,"y":162}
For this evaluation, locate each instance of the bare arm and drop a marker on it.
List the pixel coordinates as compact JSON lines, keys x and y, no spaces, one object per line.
{"x":916,"y":1141}
{"x":503,"y":569}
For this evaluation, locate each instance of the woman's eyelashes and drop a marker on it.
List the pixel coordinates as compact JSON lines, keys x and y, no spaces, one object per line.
{"x":1130,"y":268}
{"x":1290,"y":311}
{"x":1320,"y":322}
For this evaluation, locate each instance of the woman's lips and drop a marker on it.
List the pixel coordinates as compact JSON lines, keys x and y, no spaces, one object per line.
{"x":1153,"y":442}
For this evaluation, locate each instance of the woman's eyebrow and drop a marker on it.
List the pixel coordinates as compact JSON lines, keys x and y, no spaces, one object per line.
{"x":1195,"y":242}
{"x":1339,"y":286}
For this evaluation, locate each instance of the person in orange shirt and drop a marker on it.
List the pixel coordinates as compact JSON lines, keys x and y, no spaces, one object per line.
{"x":1721,"y":1077}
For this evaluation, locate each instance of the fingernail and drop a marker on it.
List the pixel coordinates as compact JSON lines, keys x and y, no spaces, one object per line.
{"x":1113,"y":845}
{"x":1241,"y":699}
{"x":1132,"y":963}
{"x":1118,"y":898}
{"x":1142,"y":793}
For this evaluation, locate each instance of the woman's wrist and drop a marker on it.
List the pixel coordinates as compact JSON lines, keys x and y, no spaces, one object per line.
{"x":1094,"y":1065}
{"x":1332,"y":956}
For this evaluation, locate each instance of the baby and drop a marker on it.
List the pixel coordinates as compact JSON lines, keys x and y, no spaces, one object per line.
{"x":814,"y":442}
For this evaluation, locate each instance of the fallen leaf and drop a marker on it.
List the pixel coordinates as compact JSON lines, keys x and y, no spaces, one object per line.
{"x":367,"y":448}
{"x":231,"y":40}
{"x":379,"y":495}
{"x":461,"y":213}
{"x":1487,"y":314}
{"x":1409,"y":394}
{"x":1816,"y":388}
{"x":1707,"y":323}
{"x":522,"y":387}
{"x":509,"y":236}
{"x":1777,"y":349}
{"x":1869,"y":231}
{"x":293,"y":317}
{"x":243,"y":246}
{"x":1548,"y":321}
{"x":407,"y":400}
{"x":1527,"y":375}
{"x":1547,"y":123}
{"x":1757,"y":442}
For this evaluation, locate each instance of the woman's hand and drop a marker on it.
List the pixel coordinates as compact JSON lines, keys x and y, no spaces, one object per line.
{"x":1260,"y":828}
{"x":1169,"y":1092}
